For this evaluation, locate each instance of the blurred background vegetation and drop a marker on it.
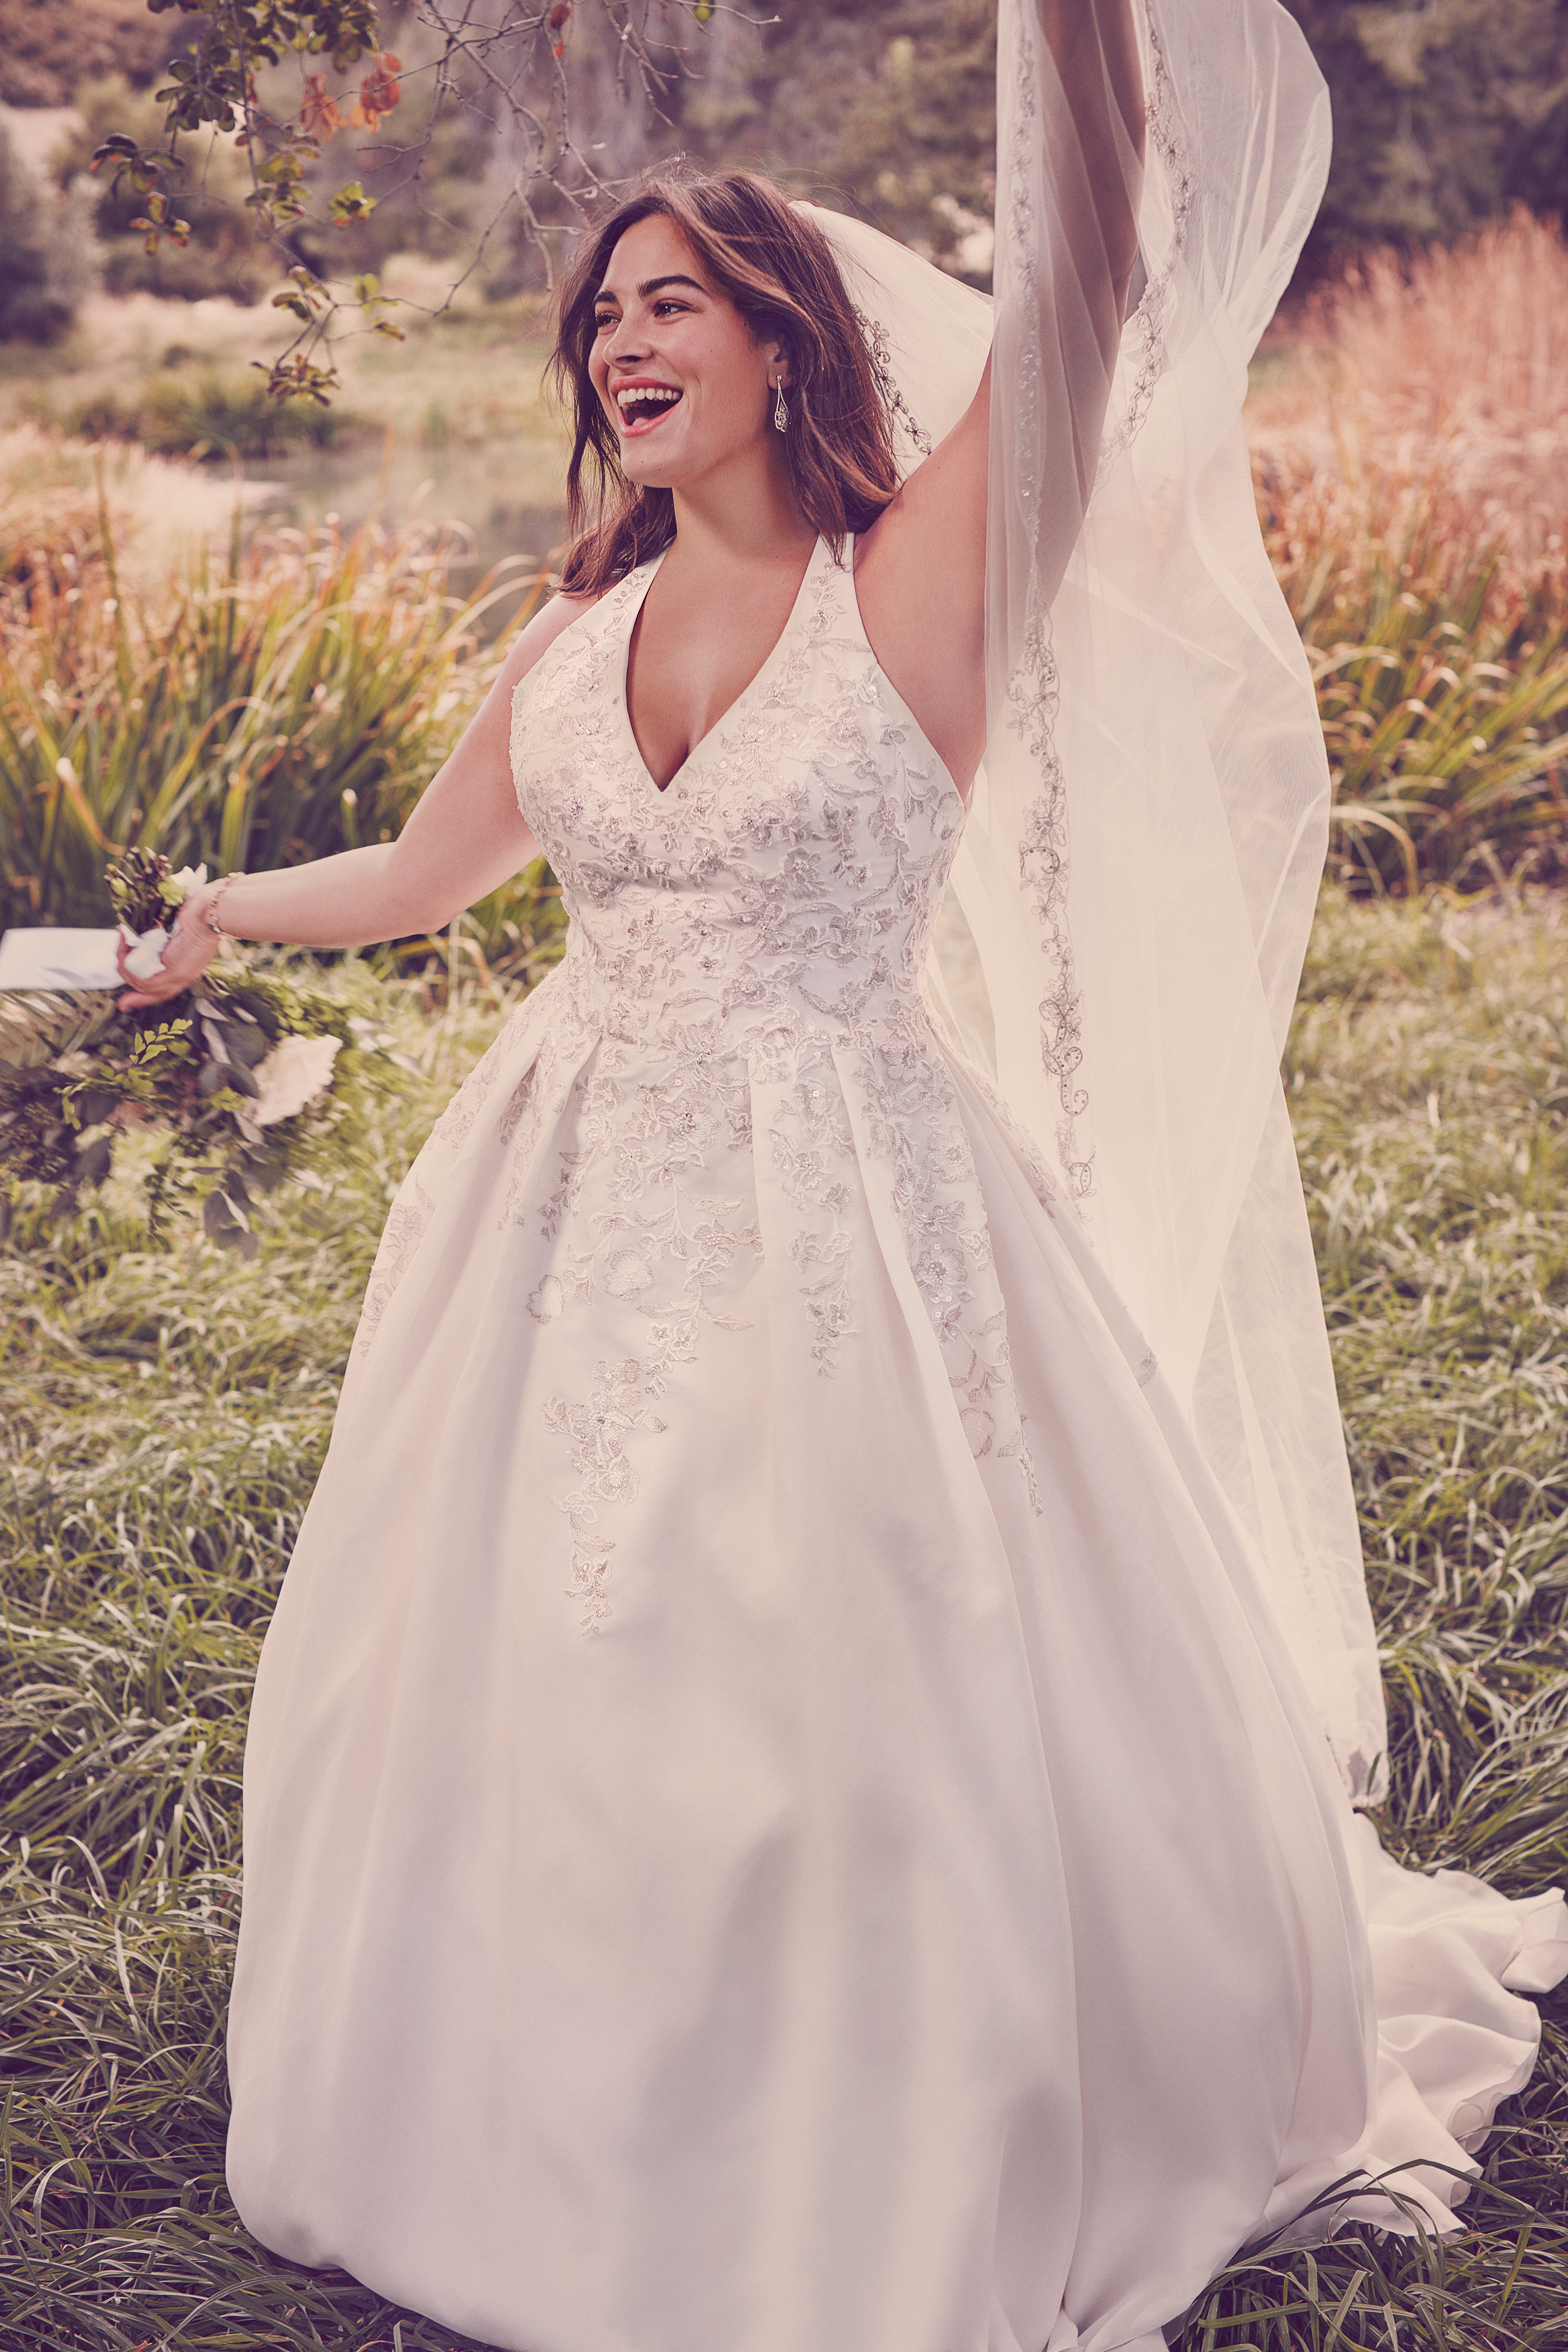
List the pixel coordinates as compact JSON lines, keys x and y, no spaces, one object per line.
{"x":1447,"y":115}
{"x":247,"y":630}
{"x":1407,"y":417}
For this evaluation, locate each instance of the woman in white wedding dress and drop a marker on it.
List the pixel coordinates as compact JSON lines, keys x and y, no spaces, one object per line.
{"x":783,"y":1812}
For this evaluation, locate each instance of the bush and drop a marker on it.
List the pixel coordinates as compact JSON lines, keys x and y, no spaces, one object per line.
{"x":1443,"y":115}
{"x":220,"y":417}
{"x":210,"y":416}
{"x":47,"y":46}
{"x":49,"y":257}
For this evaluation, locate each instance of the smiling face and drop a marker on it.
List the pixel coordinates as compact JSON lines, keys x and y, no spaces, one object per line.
{"x":673,"y":363}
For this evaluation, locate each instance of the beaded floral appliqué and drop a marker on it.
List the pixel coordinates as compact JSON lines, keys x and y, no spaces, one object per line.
{"x":404,"y":1229}
{"x":653,"y":1247}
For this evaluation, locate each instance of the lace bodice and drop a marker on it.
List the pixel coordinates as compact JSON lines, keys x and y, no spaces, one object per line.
{"x":785,"y":882}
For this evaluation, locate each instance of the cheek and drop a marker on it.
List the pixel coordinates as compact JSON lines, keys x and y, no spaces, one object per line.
{"x":737,"y":385}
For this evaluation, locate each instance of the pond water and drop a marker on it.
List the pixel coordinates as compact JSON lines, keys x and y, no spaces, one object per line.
{"x":484,"y":490}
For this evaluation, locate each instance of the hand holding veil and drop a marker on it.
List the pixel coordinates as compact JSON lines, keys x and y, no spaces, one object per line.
{"x":1146,"y":840}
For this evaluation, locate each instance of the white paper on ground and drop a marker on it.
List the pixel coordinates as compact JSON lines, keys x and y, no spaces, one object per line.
{"x":59,"y":958}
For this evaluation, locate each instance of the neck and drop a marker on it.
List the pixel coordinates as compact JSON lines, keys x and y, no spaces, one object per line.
{"x":749,"y":515}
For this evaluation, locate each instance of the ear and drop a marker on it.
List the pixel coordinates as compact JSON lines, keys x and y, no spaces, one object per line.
{"x":775,"y":353}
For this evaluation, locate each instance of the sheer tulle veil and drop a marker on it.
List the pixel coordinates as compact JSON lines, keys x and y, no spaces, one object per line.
{"x":1146,"y":841}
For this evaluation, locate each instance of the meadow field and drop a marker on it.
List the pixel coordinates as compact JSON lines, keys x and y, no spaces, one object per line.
{"x":166,"y":1408}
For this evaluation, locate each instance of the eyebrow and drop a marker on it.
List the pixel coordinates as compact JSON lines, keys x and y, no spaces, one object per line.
{"x":651,"y":286}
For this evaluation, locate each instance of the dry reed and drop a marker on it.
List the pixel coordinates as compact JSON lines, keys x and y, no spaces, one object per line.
{"x":1422,"y":421}
{"x":1409,"y":434}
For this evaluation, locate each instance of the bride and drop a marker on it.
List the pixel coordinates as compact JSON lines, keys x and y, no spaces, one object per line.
{"x":799,"y":1793}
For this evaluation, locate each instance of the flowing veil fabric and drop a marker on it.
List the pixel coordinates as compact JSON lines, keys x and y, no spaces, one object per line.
{"x":1141,"y":863}
{"x":1146,"y":840}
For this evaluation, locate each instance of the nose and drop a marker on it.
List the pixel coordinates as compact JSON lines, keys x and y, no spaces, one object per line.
{"x":624,"y":347}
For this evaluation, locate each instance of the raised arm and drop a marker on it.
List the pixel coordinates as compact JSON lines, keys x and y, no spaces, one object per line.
{"x":920,"y":572}
{"x":465,"y":838}
{"x":1098,"y":172}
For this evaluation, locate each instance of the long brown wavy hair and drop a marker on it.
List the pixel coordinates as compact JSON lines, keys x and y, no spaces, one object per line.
{"x":778,"y":270}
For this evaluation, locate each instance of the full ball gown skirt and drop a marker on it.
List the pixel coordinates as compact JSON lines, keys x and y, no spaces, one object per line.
{"x":777,"y":1819}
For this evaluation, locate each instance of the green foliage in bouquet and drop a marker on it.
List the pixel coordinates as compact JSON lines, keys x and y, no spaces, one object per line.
{"x":235,"y":1078}
{"x":144,"y":890}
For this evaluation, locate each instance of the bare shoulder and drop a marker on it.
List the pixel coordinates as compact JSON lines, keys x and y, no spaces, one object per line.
{"x":535,"y":641}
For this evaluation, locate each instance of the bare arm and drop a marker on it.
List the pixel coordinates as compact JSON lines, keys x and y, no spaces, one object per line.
{"x":921,"y":570}
{"x":465,"y":838}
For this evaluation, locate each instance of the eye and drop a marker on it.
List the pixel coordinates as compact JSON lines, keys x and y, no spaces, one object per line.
{"x":668,"y":302}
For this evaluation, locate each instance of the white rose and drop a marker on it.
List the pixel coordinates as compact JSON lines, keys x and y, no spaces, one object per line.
{"x":294,"y":1073}
{"x":146,"y":956}
{"x":188,"y":878}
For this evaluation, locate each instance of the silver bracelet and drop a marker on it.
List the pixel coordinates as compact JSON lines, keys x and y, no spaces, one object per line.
{"x":209,"y":912}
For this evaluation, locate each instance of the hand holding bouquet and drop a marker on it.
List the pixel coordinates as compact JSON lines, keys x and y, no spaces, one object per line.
{"x":167,"y":935}
{"x":147,"y":895}
{"x":235,"y":1074}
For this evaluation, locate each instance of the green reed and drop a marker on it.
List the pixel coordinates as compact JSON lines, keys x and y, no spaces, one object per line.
{"x":1446,"y":737}
{"x":263,"y":705}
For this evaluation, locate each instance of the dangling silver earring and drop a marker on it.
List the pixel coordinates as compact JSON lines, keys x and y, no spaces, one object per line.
{"x":780,"y":413}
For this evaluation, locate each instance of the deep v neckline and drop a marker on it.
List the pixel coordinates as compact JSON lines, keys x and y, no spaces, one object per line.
{"x":768,"y":663}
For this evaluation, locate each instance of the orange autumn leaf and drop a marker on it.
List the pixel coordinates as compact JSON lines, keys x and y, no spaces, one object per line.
{"x":319,"y":116}
{"x":378,"y":93}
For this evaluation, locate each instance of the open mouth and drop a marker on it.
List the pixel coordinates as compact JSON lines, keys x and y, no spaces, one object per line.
{"x":642,"y":406}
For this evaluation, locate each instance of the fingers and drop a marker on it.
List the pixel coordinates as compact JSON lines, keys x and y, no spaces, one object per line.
{"x":172,"y":979}
{"x":148,"y":992}
{"x":133,"y":1002}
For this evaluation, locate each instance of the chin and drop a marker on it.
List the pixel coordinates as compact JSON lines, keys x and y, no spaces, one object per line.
{"x":651,"y":477}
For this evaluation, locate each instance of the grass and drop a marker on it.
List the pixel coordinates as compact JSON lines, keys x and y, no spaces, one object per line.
{"x":259,"y":710}
{"x":165,"y":1416}
{"x":1428,"y":1088}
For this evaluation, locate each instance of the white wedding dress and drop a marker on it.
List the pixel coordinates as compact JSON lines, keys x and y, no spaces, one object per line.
{"x":778,"y":1817}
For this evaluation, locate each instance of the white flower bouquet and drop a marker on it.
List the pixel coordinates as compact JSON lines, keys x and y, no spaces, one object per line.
{"x":236,"y":1079}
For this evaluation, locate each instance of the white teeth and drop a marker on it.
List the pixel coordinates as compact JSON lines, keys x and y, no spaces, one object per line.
{"x":644,"y":391}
